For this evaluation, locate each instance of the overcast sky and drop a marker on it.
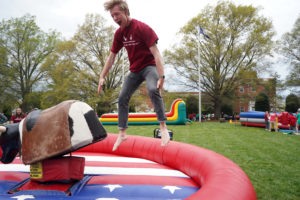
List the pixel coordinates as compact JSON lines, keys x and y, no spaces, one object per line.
{"x":166,"y":17}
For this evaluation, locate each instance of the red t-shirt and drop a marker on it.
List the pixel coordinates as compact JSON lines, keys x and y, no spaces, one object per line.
{"x":266,"y":117}
{"x":17,"y":118}
{"x":273,"y":117}
{"x":137,"y":38}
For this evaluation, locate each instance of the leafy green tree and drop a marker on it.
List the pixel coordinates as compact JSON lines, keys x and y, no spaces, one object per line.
{"x":25,"y":47}
{"x":33,"y":100}
{"x":290,"y":47}
{"x":62,"y":79}
{"x":292,"y":103}
{"x":262,"y":102}
{"x":169,"y":98}
{"x":192,"y":104}
{"x":7,"y":98}
{"x":93,"y":42}
{"x":75,"y":66}
{"x":240,"y":38}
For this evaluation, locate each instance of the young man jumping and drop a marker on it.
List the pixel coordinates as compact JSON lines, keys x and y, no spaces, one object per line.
{"x":145,"y":64}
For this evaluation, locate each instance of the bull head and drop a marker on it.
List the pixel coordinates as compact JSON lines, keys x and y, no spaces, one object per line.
{"x":9,"y":142}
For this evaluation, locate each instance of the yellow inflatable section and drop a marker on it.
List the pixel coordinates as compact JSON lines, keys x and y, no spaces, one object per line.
{"x":177,"y":115}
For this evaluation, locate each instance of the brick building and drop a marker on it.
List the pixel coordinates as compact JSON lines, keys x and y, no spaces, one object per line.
{"x":242,"y":101}
{"x":247,"y":92}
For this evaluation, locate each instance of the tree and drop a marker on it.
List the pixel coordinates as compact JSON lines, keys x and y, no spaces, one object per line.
{"x":290,"y":47}
{"x":272,"y":87}
{"x":62,"y":80}
{"x":34,"y":100}
{"x":227,"y":109}
{"x":94,"y":39}
{"x":169,"y":98}
{"x":192,"y":104}
{"x":7,"y":99}
{"x":292,"y":103}
{"x":239,"y":40}
{"x":75,"y":66}
{"x":262,"y":102}
{"x":25,"y":47}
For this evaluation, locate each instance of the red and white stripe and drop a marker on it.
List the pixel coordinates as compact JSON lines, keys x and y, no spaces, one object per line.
{"x":113,"y":169}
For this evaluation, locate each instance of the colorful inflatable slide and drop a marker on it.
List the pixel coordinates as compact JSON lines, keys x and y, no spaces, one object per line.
{"x":257,"y":118}
{"x":177,"y":116}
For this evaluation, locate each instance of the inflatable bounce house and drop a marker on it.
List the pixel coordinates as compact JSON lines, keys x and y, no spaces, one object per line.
{"x":257,"y":119}
{"x":177,"y":116}
{"x":70,"y":157}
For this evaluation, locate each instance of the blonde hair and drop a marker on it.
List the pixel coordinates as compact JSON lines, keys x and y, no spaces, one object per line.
{"x":112,"y":3}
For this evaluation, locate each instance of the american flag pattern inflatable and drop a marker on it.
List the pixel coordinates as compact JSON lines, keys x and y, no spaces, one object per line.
{"x":107,"y":176}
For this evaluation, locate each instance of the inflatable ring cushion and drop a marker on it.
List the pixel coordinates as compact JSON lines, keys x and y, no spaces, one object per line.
{"x":204,"y":174}
{"x":218,"y":177}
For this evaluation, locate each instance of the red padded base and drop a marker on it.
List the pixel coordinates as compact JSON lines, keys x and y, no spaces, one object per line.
{"x":58,"y":169}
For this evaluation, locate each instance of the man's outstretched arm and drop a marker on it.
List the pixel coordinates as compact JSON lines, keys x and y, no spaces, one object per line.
{"x":108,"y":64}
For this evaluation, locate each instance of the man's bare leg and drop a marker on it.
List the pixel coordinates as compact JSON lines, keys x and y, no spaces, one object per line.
{"x":165,"y":137}
{"x":121,"y":138}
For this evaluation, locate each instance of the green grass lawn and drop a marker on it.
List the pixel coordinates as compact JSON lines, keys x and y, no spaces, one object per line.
{"x":271,"y":160}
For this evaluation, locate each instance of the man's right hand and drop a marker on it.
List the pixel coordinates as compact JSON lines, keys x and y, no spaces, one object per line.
{"x":101,"y":83}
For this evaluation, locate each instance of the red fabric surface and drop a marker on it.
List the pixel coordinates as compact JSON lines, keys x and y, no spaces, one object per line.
{"x":59,"y":169}
{"x":218,"y":176}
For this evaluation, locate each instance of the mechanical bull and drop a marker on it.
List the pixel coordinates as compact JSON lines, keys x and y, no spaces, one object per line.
{"x":53,"y":132}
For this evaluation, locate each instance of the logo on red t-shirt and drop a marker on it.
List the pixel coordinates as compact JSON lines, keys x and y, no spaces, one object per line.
{"x":130,"y":42}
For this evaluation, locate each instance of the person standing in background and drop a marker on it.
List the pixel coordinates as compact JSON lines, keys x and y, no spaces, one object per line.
{"x":267,"y":120}
{"x":273,"y":120}
{"x":298,"y":121}
{"x":3,"y":118}
{"x":18,"y":116}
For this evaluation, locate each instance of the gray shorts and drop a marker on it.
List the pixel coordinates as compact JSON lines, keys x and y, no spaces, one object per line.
{"x":131,"y":84}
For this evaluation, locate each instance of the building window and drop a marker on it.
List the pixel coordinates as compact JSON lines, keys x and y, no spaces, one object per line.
{"x":251,"y":106}
{"x":242,"y":109}
{"x":253,"y":89}
{"x":242,"y":89}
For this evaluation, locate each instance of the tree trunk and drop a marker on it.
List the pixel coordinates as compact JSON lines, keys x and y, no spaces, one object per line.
{"x":218,"y":103}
